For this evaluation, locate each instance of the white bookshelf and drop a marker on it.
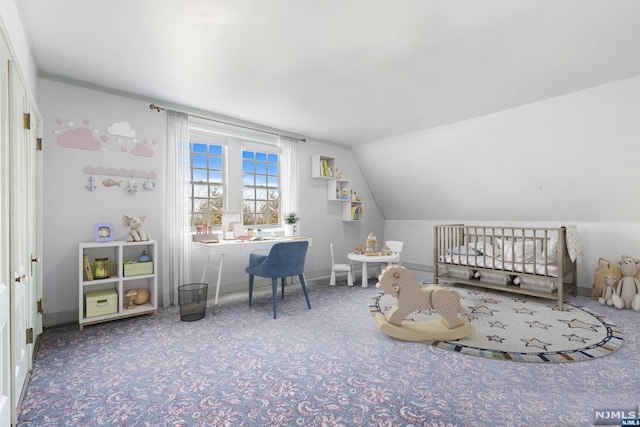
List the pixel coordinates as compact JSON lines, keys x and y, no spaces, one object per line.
{"x":117,"y":252}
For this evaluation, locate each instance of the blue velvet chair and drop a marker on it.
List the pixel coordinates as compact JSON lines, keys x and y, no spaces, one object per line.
{"x":284,"y":260}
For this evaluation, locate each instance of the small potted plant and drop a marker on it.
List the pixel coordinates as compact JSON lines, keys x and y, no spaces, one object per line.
{"x":290,"y":221}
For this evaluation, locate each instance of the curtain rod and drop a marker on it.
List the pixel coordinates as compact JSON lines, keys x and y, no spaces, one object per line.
{"x":158,"y":109}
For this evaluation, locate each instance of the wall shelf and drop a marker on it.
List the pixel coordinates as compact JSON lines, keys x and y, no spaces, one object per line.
{"x":353,"y":211}
{"x":338,"y":189}
{"x":323,"y":166}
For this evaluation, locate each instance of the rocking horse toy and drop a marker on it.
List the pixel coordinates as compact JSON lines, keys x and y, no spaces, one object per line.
{"x":397,"y":281}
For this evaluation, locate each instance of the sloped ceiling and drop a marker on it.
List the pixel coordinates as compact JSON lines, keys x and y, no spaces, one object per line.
{"x":345,"y":71}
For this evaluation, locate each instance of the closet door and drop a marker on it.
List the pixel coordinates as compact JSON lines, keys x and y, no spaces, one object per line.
{"x":34,"y":230}
{"x":21,"y":218}
{"x":5,"y":275}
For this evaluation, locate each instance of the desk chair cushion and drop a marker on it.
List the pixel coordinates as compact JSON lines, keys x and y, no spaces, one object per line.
{"x":284,"y":260}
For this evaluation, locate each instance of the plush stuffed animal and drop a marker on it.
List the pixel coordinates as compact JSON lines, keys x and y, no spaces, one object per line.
{"x":627,"y":294}
{"x":135,"y":227}
{"x":605,"y":268}
{"x":609,"y":290}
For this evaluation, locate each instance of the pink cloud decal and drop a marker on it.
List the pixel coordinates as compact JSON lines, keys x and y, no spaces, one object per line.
{"x":81,"y":138}
{"x":142,"y":150}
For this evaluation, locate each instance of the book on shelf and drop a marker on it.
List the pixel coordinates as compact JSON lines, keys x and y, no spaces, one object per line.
{"x":356,"y":212}
{"x":87,"y":267}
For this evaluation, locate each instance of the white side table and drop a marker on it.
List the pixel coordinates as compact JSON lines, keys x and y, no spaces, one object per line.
{"x":364,"y":259}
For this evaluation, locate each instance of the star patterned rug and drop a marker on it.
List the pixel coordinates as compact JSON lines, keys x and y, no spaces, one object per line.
{"x":521,"y":328}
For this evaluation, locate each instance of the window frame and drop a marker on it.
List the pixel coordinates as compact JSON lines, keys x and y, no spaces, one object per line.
{"x":234,"y":141}
{"x":197,"y":138}
{"x":262,"y":154}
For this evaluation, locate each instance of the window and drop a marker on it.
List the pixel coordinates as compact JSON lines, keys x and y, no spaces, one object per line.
{"x":207,"y":184}
{"x":239,"y":174}
{"x":260,"y":188}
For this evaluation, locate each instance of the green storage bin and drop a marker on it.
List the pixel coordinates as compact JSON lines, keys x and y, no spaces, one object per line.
{"x":137,"y":268}
{"x":99,"y":303}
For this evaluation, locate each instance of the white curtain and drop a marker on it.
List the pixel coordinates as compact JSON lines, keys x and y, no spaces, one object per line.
{"x":290,"y":180}
{"x":176,"y":242}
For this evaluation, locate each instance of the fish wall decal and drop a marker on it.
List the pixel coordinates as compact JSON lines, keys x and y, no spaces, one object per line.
{"x":109,"y":182}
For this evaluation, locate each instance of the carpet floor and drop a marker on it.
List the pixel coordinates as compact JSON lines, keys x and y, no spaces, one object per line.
{"x":328,"y":366}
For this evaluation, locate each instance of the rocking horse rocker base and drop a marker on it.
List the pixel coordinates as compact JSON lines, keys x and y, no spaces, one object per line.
{"x":426,"y":331}
{"x":410,"y":296}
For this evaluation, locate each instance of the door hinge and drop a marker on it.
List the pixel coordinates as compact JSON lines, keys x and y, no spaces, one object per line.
{"x":30,"y":336}
{"x":39,"y":306}
{"x":27,"y":120}
{"x":38,"y":144}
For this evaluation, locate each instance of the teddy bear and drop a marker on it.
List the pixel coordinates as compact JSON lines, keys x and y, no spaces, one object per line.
{"x":609,"y":290}
{"x":627,"y":295}
{"x":135,"y":227}
{"x":605,"y":268}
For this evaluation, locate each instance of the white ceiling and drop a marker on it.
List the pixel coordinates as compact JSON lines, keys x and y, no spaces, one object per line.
{"x":345,"y":71}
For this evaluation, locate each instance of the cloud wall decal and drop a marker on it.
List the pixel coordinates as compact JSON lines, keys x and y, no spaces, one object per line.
{"x":121,"y":129}
{"x":81,"y":138}
{"x":142,"y":150}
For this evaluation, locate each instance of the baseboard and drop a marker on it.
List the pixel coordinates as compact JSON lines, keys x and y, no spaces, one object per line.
{"x":584,"y":292}
{"x":261,"y":282}
{"x":59,"y":318}
{"x":418,"y":267}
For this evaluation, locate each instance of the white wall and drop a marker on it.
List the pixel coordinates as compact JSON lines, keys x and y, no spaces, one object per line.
{"x":573,"y":159}
{"x":570,"y":158}
{"x":70,"y":210}
{"x":321,"y":218}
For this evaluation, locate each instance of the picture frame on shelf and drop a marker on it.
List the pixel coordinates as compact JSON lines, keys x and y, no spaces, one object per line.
{"x":103,"y":232}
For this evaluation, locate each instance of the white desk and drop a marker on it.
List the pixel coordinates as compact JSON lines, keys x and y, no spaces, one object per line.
{"x":225,"y":247}
{"x":364,"y":259}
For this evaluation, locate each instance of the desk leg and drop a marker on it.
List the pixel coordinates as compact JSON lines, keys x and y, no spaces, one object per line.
{"x":365,"y":275}
{"x":219,"y":268}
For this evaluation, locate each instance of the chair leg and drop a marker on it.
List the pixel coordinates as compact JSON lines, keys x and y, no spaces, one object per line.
{"x":304,"y":289}
{"x":332,"y":282}
{"x":349,"y":278}
{"x":282,"y":280}
{"x":250,"y":288}
{"x":274,"y":296}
